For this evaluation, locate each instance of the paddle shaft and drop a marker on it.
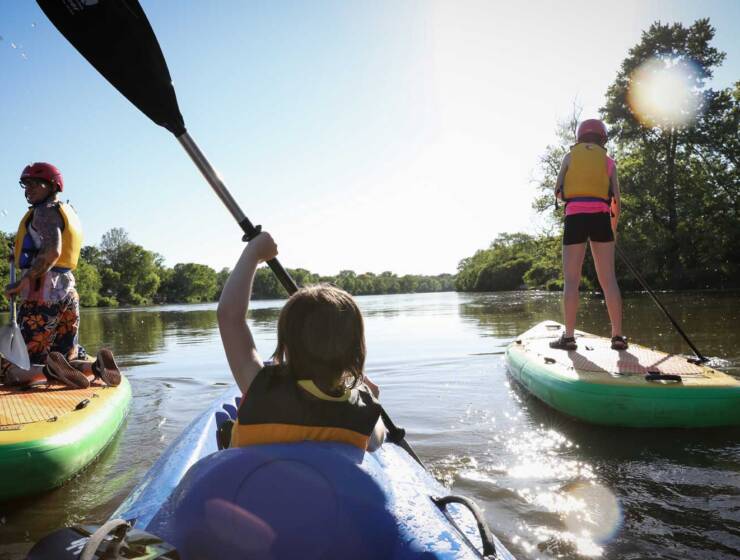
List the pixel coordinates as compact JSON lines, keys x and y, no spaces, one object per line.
{"x":11,"y":263}
{"x":641,"y":280}
{"x":250,"y":230}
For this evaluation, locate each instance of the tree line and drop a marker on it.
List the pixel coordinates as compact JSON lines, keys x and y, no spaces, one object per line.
{"x":119,"y":272}
{"x":680,"y":185}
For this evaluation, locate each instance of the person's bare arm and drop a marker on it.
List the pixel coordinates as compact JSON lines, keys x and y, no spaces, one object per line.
{"x":241,"y":351}
{"x":616,"y":208}
{"x":560,"y":181}
{"x":48,"y":224}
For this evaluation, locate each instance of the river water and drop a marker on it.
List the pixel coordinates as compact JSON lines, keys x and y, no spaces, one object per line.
{"x":550,"y":487}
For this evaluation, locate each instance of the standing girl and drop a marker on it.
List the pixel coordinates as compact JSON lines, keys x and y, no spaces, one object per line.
{"x":589,"y":186}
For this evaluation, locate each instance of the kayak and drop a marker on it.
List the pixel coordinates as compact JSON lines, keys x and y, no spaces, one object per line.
{"x":639,"y":387}
{"x":300,"y":500}
{"x":50,"y":433}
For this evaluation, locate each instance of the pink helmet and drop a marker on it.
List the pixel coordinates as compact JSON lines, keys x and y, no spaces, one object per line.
{"x":45,"y":171}
{"x":592,"y":126}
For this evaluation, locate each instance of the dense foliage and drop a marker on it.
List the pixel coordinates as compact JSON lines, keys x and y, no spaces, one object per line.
{"x":120,"y":272}
{"x":680,"y":184}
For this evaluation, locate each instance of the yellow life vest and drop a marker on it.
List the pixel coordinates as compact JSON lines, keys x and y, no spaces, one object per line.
{"x":279,"y":409}
{"x":25,"y":249}
{"x":587,"y":177}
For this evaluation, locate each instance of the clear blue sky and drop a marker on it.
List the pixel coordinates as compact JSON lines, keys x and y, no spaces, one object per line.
{"x":366,"y":135}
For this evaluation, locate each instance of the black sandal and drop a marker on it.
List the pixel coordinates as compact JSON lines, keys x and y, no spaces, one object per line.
{"x":619,"y":343}
{"x":564,"y":343}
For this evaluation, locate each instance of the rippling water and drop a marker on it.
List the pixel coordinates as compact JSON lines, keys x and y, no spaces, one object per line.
{"x":550,"y":487}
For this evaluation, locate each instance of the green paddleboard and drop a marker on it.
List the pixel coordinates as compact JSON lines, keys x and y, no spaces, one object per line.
{"x":638,"y":387}
{"x":50,"y":433}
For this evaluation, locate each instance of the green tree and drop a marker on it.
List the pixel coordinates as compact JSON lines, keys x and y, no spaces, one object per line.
{"x":5,"y":250}
{"x":191,"y":283}
{"x":679,"y":181}
{"x":221,"y":277}
{"x":130,"y":275}
{"x":88,"y":283}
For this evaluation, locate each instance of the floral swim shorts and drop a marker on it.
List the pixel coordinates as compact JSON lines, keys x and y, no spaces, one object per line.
{"x":51,"y":327}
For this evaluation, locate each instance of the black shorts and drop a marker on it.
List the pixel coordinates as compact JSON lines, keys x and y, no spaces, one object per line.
{"x":579,"y":228}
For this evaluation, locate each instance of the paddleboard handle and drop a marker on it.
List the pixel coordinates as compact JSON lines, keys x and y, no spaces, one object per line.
{"x":658,"y":376}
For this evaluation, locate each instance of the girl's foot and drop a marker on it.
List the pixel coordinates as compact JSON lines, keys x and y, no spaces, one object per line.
{"x":619,"y":343}
{"x":106,"y":368}
{"x":564,"y":343}
{"x":59,"y":369}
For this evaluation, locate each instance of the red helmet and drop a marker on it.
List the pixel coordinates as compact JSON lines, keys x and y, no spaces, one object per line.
{"x":45,"y":171}
{"x":592,"y":126}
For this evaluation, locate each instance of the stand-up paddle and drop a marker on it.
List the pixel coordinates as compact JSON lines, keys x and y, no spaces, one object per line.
{"x":116,"y":38}
{"x":700,"y":357}
{"x":12,"y":346}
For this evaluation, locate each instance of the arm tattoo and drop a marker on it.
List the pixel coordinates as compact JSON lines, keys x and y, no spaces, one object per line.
{"x":48,"y":224}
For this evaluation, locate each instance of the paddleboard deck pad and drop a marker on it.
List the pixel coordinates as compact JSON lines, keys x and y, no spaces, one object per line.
{"x":49,"y":433}
{"x":638,"y":387}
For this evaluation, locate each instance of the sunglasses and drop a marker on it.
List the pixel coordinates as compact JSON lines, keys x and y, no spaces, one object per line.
{"x":25,"y":183}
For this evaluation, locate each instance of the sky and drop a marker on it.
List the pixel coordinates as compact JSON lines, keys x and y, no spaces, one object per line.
{"x":367,"y":135}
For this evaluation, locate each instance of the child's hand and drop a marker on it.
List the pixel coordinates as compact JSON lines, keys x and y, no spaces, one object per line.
{"x":374,"y":389}
{"x":263,"y":247}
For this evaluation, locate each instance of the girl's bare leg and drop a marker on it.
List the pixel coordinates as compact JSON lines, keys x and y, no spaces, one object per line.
{"x":13,"y":375}
{"x":572,"y":265}
{"x":604,"y":261}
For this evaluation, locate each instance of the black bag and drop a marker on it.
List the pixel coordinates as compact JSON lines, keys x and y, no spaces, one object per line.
{"x":115,"y":540}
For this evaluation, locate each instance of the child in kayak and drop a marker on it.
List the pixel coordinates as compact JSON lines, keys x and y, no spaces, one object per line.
{"x":314,"y":388}
{"x":589,"y":186}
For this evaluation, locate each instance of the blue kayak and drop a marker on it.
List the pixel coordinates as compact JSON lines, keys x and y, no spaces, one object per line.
{"x":308,"y":500}
{"x":302,"y":500}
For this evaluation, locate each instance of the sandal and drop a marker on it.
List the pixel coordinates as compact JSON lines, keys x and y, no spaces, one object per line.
{"x":105,"y":368}
{"x":59,"y":369}
{"x":564,"y":343}
{"x":619,"y":343}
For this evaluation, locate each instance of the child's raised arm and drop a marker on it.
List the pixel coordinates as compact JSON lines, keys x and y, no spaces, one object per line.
{"x":236,"y":337}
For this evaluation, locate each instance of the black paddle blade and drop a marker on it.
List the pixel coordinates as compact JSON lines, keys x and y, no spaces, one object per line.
{"x":116,"y":38}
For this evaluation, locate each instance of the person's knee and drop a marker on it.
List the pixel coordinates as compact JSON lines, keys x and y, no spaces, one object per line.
{"x":571,"y":284}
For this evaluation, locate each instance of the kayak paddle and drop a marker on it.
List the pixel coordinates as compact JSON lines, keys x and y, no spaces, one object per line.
{"x":700,"y":359}
{"x":116,"y":38}
{"x":12,"y":346}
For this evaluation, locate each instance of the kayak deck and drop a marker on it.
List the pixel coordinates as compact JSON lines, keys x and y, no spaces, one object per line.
{"x":638,"y":387}
{"x":192,"y":473}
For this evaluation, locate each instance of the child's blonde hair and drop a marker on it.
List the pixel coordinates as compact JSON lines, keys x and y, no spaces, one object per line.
{"x":321,"y":336}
